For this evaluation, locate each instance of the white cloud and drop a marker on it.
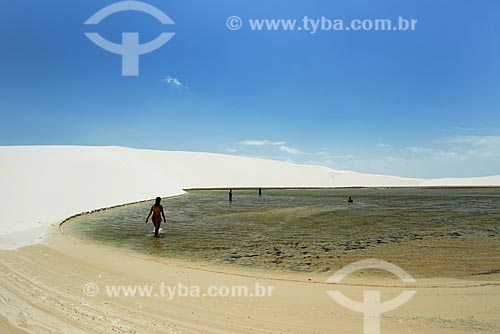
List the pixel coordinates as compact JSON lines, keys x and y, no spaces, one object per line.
{"x":254,"y":142}
{"x":171,"y":81}
{"x":476,"y":146}
{"x":474,"y":140}
{"x":261,"y":142}
{"x":281,"y":145}
{"x":231,"y":150}
{"x":289,"y":150}
{"x":443,"y":157}
{"x":422,"y":150}
{"x":434,"y":153}
{"x":461,"y":147}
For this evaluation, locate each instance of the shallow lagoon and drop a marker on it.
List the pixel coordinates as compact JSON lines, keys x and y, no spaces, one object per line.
{"x":429,"y":232}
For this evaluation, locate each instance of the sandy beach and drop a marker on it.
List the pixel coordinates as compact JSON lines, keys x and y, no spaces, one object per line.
{"x":59,"y":283}
{"x":42,"y":293}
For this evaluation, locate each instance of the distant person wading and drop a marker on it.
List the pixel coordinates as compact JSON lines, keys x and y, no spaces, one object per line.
{"x":157,"y":211}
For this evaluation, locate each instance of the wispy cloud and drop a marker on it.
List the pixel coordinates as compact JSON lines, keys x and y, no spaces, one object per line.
{"x":453,"y":156}
{"x":289,"y":150}
{"x":422,"y":150}
{"x":476,"y":146}
{"x":460,"y":147}
{"x":231,"y":150}
{"x":261,"y":142}
{"x":433,"y":153}
{"x":280,"y":145}
{"x":174,"y":82}
{"x":474,"y":140}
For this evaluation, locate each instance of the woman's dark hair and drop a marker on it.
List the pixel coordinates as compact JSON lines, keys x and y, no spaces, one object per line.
{"x":157,"y":201}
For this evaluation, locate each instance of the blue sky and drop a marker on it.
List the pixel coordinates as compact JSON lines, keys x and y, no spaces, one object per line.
{"x":421,"y":103}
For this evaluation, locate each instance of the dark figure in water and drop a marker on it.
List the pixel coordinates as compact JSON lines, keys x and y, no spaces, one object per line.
{"x":157,"y":211}
{"x":230,"y":195}
{"x":260,"y":191}
{"x":350,"y":200}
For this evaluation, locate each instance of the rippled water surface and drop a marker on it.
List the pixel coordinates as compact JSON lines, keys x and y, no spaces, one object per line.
{"x":429,"y":232}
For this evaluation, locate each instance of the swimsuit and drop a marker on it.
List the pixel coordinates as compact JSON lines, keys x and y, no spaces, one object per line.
{"x":157,"y":214}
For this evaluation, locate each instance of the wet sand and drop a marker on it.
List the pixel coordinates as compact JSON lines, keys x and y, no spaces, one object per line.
{"x":42,"y":285}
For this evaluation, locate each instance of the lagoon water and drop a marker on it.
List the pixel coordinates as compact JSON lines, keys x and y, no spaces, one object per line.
{"x":428,"y":232}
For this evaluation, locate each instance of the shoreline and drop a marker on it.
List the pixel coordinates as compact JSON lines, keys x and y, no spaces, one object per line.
{"x":257,"y":271}
{"x":293,"y":276}
{"x":347,"y":187}
{"x":53,"y":274}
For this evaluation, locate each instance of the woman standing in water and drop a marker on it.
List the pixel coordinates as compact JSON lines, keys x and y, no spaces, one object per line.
{"x":157,"y":211}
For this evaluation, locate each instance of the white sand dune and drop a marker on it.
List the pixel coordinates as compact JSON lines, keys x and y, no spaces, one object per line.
{"x":42,"y":185}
